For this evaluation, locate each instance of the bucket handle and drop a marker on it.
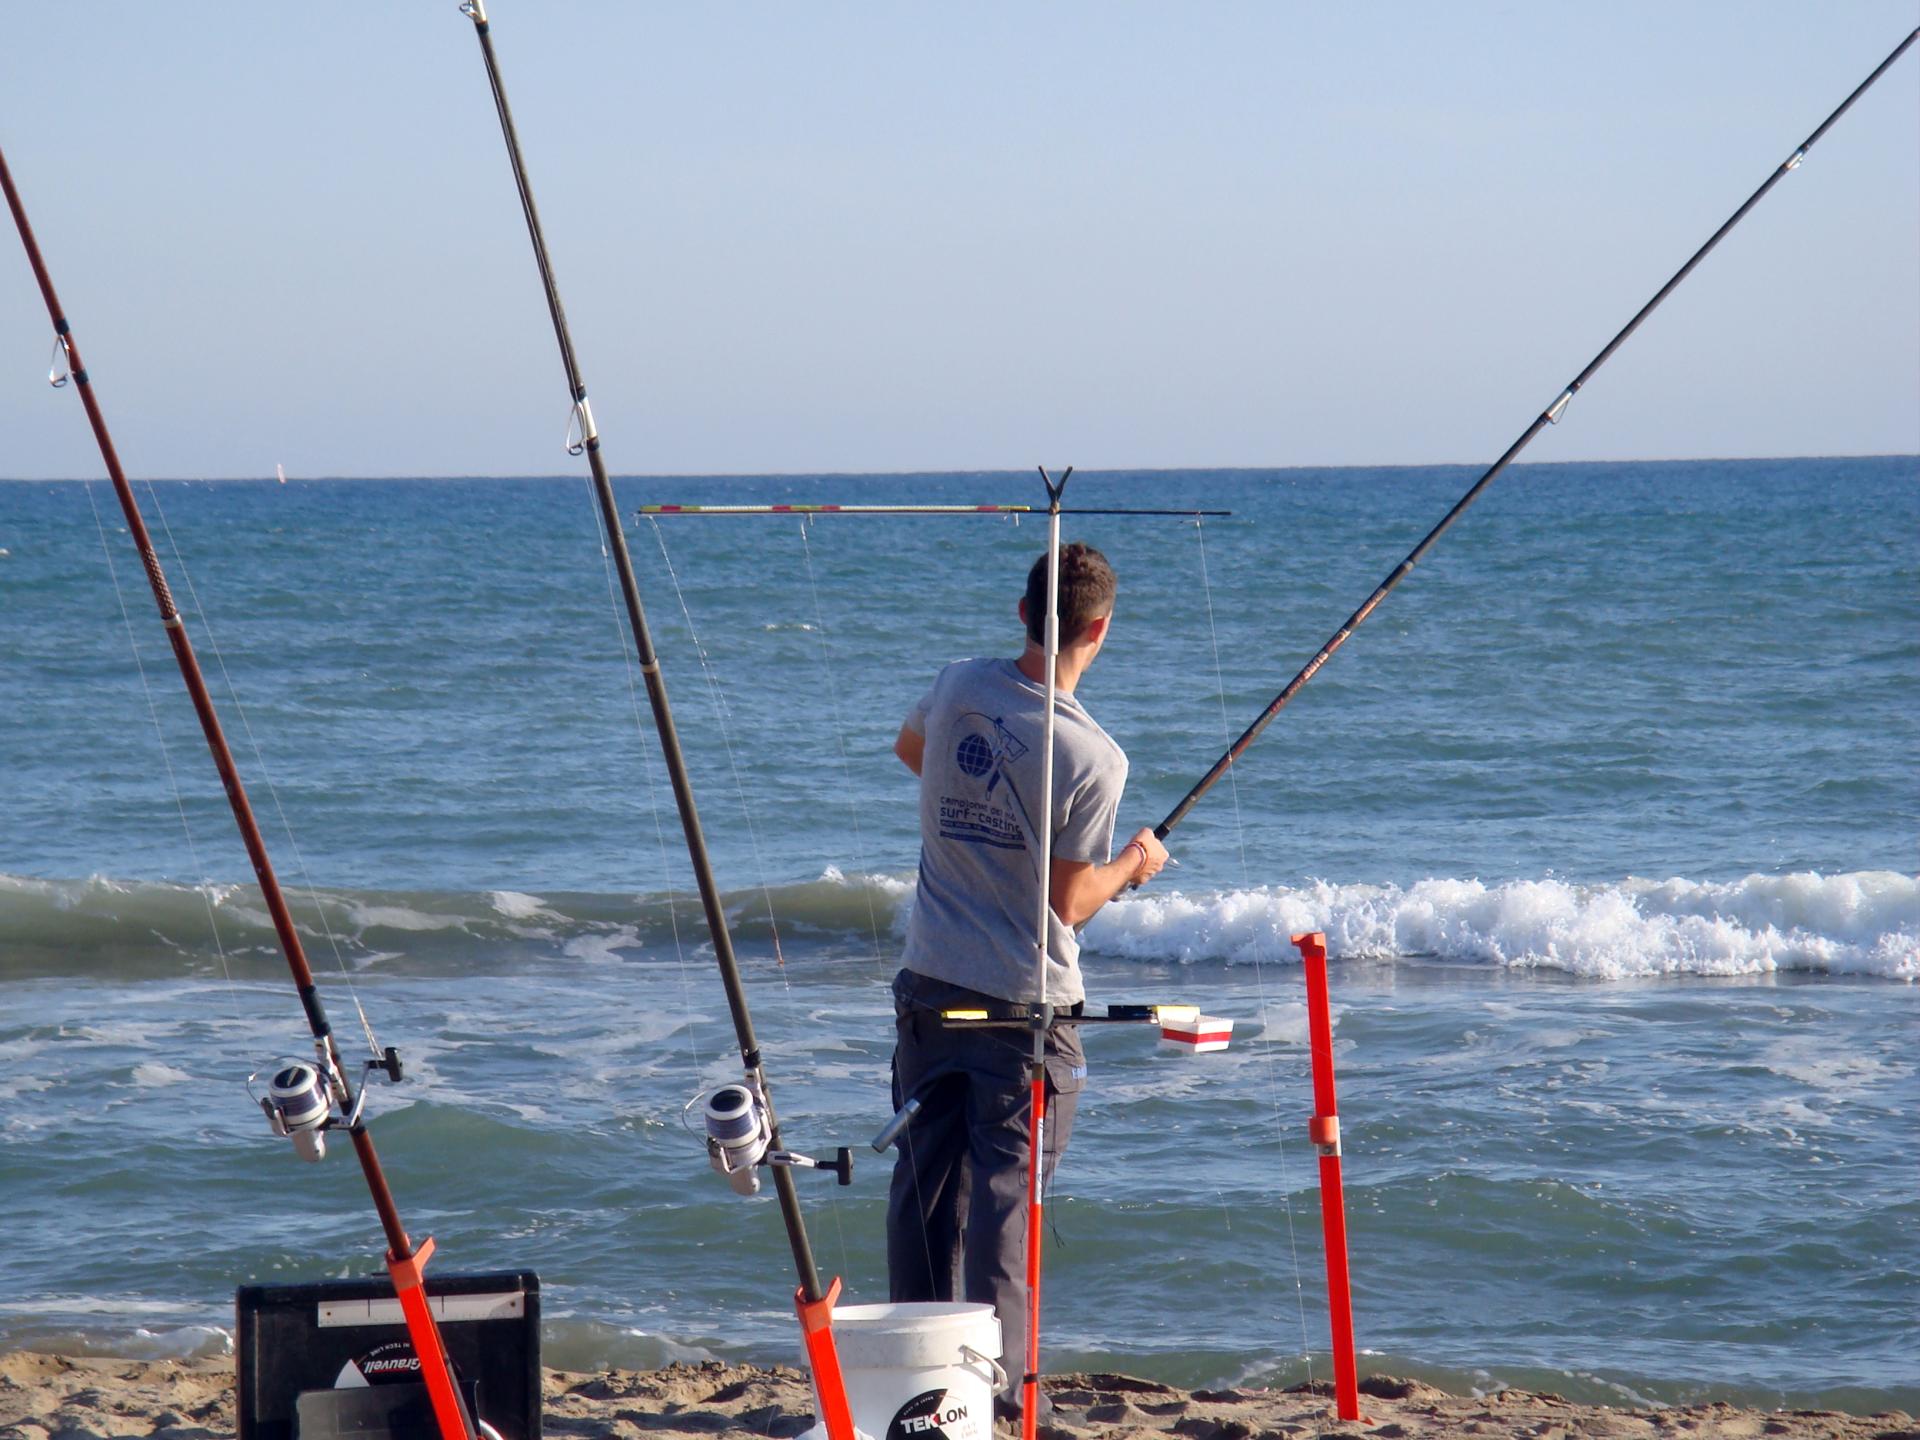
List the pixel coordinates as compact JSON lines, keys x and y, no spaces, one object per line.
{"x":1001,"y":1384}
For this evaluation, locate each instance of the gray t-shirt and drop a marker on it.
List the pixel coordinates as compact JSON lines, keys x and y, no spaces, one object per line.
{"x":979,"y":888}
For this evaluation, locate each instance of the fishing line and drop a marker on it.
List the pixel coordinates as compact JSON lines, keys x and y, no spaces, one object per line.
{"x":304,"y":1101}
{"x":720,"y":712}
{"x":919,"y":1195}
{"x":625,"y":642}
{"x":801,"y":1023}
{"x":839,"y":1230}
{"x":840,"y":740}
{"x":1259,"y":970}
{"x":266,"y":774}
{"x":205,"y":887}
{"x":1549,"y":416}
{"x":907,"y":1135}
{"x":813,"y":1301}
{"x":1041,"y":1186}
{"x":861,"y":870}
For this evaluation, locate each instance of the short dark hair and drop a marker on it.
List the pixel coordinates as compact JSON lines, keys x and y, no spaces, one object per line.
{"x":1087,"y":587}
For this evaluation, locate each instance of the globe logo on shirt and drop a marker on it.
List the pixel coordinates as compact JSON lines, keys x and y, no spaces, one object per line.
{"x":974,"y":755}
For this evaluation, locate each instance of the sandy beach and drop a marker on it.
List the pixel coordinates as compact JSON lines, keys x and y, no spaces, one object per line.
{"x":52,"y":1397}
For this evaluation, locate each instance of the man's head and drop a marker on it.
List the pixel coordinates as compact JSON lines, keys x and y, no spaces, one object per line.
{"x":1087,"y":587}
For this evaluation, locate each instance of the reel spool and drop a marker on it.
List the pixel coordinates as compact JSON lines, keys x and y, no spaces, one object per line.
{"x":298,"y":1106}
{"x":738,"y":1134}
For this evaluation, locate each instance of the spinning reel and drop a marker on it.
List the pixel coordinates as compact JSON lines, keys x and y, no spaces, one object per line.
{"x":740,"y":1140}
{"x":305,"y":1101}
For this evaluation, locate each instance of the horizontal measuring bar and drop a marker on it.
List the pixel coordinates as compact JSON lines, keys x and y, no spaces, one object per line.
{"x":653,"y":510}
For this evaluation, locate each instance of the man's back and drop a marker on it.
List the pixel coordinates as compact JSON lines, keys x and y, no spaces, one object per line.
{"x":978,"y":893}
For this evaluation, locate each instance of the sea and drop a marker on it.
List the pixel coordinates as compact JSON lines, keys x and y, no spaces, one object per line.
{"x":1609,"y":814}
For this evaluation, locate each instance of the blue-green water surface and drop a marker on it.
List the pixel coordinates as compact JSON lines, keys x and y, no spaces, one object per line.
{"x":1609,"y":814}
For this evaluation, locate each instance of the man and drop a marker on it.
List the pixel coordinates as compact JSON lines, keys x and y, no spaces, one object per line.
{"x":959,"y":1186}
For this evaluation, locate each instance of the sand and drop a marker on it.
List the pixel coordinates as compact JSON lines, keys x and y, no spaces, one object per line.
{"x":51,"y":1397}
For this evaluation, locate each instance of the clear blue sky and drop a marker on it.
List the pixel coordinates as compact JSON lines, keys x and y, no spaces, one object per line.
{"x":880,"y":237}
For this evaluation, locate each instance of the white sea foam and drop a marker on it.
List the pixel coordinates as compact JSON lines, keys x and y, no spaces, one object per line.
{"x":1838,"y":1075}
{"x":895,"y":887}
{"x":129,"y":1035}
{"x":1866,"y":922}
{"x":515,"y":906}
{"x":152,"y":1074}
{"x":400,"y":917}
{"x":14,"y":1089}
{"x":603,"y":945}
{"x":1284,"y":1023}
{"x":91,"y":1305}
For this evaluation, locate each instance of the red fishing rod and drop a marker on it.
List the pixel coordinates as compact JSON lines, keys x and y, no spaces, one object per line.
{"x":303,"y":1101}
{"x":743,"y":1132}
{"x":1550,"y":416}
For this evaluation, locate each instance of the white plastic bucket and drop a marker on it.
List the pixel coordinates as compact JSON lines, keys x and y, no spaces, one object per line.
{"x":923,"y":1371}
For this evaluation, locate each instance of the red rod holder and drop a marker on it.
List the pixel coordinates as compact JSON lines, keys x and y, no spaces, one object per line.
{"x":1030,"y":1380}
{"x":1325,"y":1131}
{"x":823,"y":1358}
{"x":410,"y":1284}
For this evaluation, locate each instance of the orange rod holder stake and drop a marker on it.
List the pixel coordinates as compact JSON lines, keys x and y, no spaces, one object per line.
{"x":1325,"y":1130}
{"x":410,"y":1284}
{"x":823,"y":1358}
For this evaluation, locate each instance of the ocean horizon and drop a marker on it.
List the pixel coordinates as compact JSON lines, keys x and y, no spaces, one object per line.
{"x":1024,"y":474}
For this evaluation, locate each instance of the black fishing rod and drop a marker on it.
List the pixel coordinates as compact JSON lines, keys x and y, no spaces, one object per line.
{"x":302,"y":1101}
{"x":748,"y":1108}
{"x":1550,"y":416}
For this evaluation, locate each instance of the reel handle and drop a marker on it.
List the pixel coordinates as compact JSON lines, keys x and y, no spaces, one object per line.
{"x":841,"y":1166}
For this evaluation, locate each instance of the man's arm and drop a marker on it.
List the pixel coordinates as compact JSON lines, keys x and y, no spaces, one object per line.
{"x":911,"y":746}
{"x":1081,"y":887}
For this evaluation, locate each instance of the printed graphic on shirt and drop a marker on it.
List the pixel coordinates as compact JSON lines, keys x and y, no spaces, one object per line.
{"x":994,"y":815}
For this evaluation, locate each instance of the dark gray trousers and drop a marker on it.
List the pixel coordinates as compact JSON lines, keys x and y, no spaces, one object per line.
{"x":957,"y":1208}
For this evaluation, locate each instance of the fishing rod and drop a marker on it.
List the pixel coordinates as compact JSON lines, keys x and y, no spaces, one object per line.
{"x":303,"y":1101}
{"x":651,"y":511}
{"x":742,"y":1127}
{"x":1550,"y":416}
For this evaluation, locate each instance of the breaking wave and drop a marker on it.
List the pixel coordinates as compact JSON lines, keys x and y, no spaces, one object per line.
{"x":1864,"y":923}
{"x":1867,"y":922}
